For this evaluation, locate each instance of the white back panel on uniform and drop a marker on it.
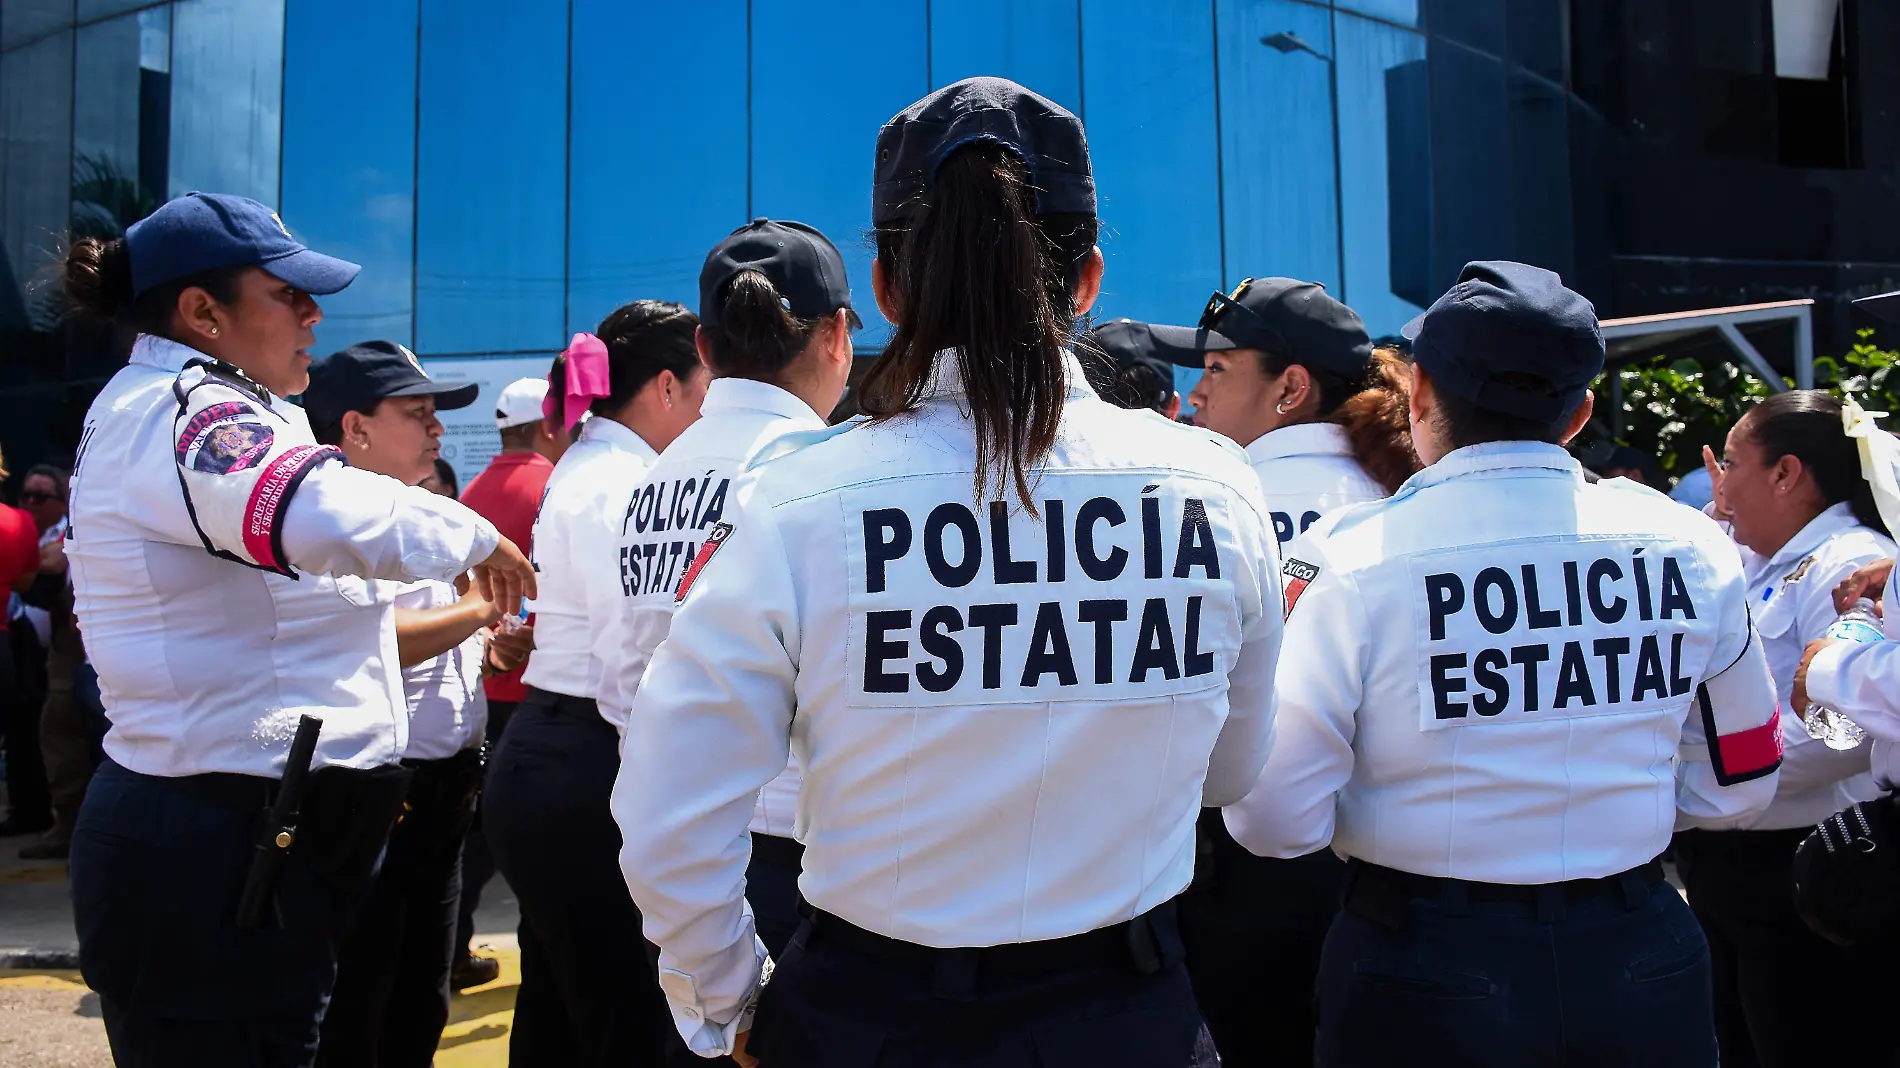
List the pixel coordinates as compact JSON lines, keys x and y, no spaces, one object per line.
{"x":1306,"y":471}
{"x":1494,"y":675}
{"x":1006,"y":722}
{"x":574,"y":565}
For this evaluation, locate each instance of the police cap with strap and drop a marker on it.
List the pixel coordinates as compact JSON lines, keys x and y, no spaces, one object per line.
{"x":355,"y":379}
{"x":802,"y":263}
{"x":1294,"y":320}
{"x":1503,"y":318}
{"x":201,"y":232}
{"x":1043,"y":134}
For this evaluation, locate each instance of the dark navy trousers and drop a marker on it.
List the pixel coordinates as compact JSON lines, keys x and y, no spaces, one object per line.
{"x":156,"y":872}
{"x":1617,"y":980}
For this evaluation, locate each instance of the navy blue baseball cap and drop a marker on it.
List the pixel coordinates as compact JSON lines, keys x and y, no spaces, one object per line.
{"x":1129,"y":343}
{"x":1295,"y":320}
{"x":1043,"y":134}
{"x":1510,"y":318}
{"x":355,"y":379}
{"x":802,"y":263}
{"x":205,"y":231}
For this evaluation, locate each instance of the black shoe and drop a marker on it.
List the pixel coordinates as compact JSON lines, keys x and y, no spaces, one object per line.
{"x":472,"y":971}
{"x":17,"y":825}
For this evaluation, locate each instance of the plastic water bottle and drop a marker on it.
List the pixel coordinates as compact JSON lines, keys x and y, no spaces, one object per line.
{"x":1830,"y":725}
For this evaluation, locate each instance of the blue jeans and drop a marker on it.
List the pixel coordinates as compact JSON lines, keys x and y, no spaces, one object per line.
{"x":1590,"y":982}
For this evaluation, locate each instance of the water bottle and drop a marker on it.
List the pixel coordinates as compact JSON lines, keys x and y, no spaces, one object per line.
{"x":1830,"y":725}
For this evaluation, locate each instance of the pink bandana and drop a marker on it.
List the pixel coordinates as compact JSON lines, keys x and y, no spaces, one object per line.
{"x":587,"y":378}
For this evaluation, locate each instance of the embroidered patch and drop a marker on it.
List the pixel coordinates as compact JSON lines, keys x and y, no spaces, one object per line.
{"x":195,"y":429}
{"x":1299,"y":575}
{"x":714,"y":539}
{"x":271,"y":494}
{"x":231,"y":447}
{"x":1799,"y":572}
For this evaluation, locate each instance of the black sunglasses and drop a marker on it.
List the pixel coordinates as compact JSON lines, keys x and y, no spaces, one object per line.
{"x":37,"y":497}
{"x":1220,"y":304}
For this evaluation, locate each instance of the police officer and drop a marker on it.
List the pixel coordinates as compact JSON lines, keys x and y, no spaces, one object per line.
{"x":587,"y":992}
{"x":1011,"y":633}
{"x":374,"y":401}
{"x":775,"y":321}
{"x":1289,"y":373}
{"x":1128,"y":366}
{"x":220,"y":560}
{"x":1501,"y":686}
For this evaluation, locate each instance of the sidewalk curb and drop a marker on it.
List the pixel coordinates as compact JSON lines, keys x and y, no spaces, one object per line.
{"x":39,"y":959}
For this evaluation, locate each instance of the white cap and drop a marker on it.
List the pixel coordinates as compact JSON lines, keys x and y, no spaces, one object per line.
{"x":520,"y":402}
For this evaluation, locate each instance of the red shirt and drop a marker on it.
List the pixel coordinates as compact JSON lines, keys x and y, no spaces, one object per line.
{"x":508,"y":494}
{"x":19,"y":548}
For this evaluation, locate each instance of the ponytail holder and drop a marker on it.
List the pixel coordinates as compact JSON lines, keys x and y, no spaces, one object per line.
{"x":1879,"y":459}
{"x":587,"y":378}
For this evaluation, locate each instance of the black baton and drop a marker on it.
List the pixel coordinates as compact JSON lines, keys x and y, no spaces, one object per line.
{"x":280,"y":828}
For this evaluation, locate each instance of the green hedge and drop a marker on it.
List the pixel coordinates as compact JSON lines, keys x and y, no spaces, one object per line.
{"x":1671,"y":408}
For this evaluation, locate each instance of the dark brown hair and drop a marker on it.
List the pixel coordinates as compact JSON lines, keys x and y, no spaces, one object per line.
{"x":757,"y":337}
{"x":98,"y":285}
{"x":642,"y":338}
{"x":1806,"y":424}
{"x":1377,"y":419}
{"x":1465,"y":423}
{"x":976,"y":270}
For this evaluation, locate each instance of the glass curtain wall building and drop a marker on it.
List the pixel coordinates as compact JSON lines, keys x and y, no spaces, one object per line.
{"x":508,"y":171}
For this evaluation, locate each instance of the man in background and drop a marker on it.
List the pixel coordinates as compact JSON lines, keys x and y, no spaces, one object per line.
{"x":508,"y":494}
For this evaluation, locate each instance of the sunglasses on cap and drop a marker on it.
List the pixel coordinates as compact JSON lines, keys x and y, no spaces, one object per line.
{"x":1220,"y":304}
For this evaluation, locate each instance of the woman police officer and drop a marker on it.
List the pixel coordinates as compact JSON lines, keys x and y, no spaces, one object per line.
{"x":224,"y":567}
{"x":1012,"y":634}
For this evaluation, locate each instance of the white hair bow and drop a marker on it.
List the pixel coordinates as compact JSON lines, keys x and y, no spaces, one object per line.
{"x":1879,"y":458}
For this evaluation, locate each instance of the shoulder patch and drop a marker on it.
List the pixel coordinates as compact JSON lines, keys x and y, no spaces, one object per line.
{"x":714,"y":539}
{"x":1299,"y":574}
{"x":1800,"y":571}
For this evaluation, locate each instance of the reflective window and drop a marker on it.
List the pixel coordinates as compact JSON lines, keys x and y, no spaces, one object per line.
{"x":98,"y":9}
{"x":1401,"y":11}
{"x":1277,"y":141}
{"x":491,"y":176}
{"x":227,"y":93}
{"x":22,"y":21}
{"x":350,"y":157}
{"x":814,"y":124}
{"x":121,"y":121}
{"x":36,"y":132}
{"x":1470,"y":162}
{"x":658,"y":152}
{"x":1477,"y":23}
{"x":1385,"y":172}
{"x":1148,"y":87}
{"x":1030,"y":42}
{"x":1540,"y":173}
{"x":1534,"y":36}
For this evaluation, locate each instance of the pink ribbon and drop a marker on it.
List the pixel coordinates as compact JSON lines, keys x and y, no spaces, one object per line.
{"x":587,"y":378}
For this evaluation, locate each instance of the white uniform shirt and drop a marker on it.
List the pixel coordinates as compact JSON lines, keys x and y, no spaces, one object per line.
{"x":574,"y":536}
{"x":1307,"y":470}
{"x":447,"y":710}
{"x":1792,"y":599}
{"x":1494,"y":675}
{"x":686,"y":494}
{"x":219,"y":558}
{"x":1006,"y":723}
{"x":1863,"y":680}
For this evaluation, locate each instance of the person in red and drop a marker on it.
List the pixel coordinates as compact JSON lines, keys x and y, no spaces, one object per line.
{"x":19,"y":561}
{"x":508,"y":494}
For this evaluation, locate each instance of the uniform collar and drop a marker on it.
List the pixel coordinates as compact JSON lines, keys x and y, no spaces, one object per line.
{"x":1835,"y":520}
{"x":946,"y":381}
{"x":168,"y":355}
{"x":1300,"y":439}
{"x":750,"y":395}
{"x":1495,"y":456}
{"x":607,"y":432}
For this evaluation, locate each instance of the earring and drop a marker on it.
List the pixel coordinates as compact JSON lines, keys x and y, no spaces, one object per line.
{"x":214,"y":330}
{"x":1280,"y":407}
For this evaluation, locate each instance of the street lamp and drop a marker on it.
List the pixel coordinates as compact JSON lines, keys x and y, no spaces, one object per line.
{"x":1287,"y":42}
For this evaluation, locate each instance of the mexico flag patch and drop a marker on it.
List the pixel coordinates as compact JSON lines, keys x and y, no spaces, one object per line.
{"x":714,"y":539}
{"x":1298,"y":574}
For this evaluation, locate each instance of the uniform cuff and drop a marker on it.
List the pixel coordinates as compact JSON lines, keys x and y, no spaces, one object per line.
{"x":1827,"y":674}
{"x":703,"y":1035}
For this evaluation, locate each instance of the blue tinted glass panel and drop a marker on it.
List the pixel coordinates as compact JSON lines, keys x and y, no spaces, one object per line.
{"x":1030,"y":42}
{"x":350,"y":157}
{"x":491,"y":182}
{"x":1385,"y":172}
{"x":121,"y":120}
{"x":1148,"y":87}
{"x":1470,"y":160}
{"x":658,"y":150}
{"x":814,"y":124}
{"x":227,"y":95}
{"x":1277,"y":142}
{"x":1477,"y":23}
{"x":1534,"y":36}
{"x":1540,"y":173}
{"x":36,"y":84}
{"x":1402,"y":11}
{"x":22,"y":21}
{"x":95,"y":9}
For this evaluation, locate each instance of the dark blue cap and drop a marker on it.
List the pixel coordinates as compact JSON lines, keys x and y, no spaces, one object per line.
{"x":1510,"y":318}
{"x":1294,"y":320}
{"x":1043,"y":134}
{"x":205,"y":231}
{"x":355,"y":379}
{"x":802,"y":263}
{"x":1125,"y":344}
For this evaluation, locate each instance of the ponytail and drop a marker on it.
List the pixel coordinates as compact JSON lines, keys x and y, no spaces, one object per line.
{"x":974,"y":269}
{"x":1377,"y":419}
{"x":642,"y":339}
{"x":757,"y":337}
{"x":97,"y":283}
